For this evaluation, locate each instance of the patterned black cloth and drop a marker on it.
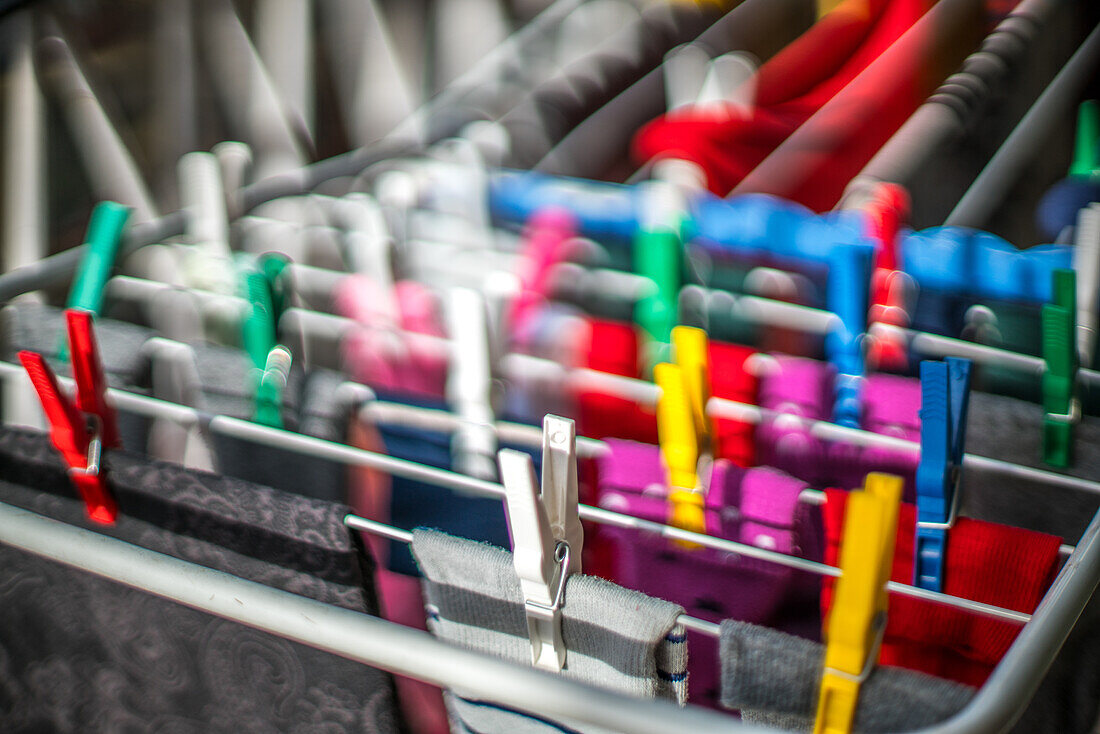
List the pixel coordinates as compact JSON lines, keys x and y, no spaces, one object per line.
{"x":83,"y":654}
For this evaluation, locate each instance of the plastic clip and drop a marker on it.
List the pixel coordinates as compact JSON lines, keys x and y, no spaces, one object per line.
{"x":945,"y":397}
{"x":79,"y":429}
{"x":683,"y":427}
{"x":546,"y":532}
{"x":469,"y":387}
{"x":857,"y":619}
{"x":1060,"y":377}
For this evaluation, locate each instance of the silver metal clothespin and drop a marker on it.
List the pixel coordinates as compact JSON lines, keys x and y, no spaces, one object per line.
{"x":470,"y":384}
{"x":547,"y":536}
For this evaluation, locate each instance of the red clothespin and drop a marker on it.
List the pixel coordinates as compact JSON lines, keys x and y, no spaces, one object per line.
{"x":82,"y":429}
{"x":888,"y":208}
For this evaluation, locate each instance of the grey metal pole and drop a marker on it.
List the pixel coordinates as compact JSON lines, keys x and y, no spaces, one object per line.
{"x":353,"y":635}
{"x":944,"y":116}
{"x":1026,"y":140}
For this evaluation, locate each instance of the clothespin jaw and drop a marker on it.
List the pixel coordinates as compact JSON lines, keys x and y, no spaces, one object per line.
{"x":104,"y":236}
{"x":690,"y":351}
{"x":848,"y":296}
{"x":945,"y":397}
{"x":560,"y":486}
{"x":271,"y":387}
{"x":101,"y":249}
{"x":546,"y":534}
{"x":857,"y":619}
{"x":1060,"y":401}
{"x":679,"y":447}
{"x":658,"y":255}
{"x":259,"y":335}
{"x":79,"y":428}
{"x":1086,"y":151}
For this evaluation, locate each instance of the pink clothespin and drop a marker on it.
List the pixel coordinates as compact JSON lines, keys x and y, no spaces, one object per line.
{"x":545,"y":236}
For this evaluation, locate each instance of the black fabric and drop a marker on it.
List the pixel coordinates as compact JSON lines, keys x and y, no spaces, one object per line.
{"x":82,"y":654}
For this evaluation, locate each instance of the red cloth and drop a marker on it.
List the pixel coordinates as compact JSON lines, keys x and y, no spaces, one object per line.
{"x":791,"y":87}
{"x":613,"y":348}
{"x":986,"y":562}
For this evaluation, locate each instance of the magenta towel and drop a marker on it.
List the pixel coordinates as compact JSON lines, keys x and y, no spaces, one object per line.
{"x":756,"y":506}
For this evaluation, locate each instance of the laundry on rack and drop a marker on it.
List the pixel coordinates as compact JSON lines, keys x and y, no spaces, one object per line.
{"x":995,"y":564}
{"x":617,"y":639}
{"x":66,"y":632}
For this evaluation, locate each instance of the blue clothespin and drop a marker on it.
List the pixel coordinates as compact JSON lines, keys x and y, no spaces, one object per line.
{"x":945,"y":395}
{"x":848,"y":296}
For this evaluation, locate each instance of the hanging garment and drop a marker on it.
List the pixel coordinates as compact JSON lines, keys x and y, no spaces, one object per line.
{"x":225,"y":376}
{"x":995,"y":564}
{"x":773,"y":679}
{"x":616,"y":638}
{"x":829,"y":74}
{"x":84,"y":654}
{"x":757,"y":507}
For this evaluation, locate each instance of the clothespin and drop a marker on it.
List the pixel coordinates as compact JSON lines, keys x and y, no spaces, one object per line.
{"x":658,"y":255}
{"x":1060,"y":402}
{"x":890,"y":286}
{"x":546,"y":533}
{"x":469,"y":386}
{"x":207,"y":262}
{"x":847,"y":297}
{"x":945,"y":397}
{"x":857,"y":620}
{"x":102,"y":242}
{"x":720,"y":88}
{"x":270,"y":362}
{"x":81,"y":429}
{"x":683,"y":427}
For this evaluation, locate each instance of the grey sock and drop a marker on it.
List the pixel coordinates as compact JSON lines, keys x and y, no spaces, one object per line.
{"x":616,"y":638}
{"x":773,"y":678}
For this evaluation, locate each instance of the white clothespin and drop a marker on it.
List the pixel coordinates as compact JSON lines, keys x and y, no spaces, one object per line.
{"x":1086,"y":261}
{"x":547,"y":536}
{"x":723,"y":85}
{"x":470,"y":384}
{"x":207,"y":263}
{"x":175,"y":379}
{"x":730,"y":84}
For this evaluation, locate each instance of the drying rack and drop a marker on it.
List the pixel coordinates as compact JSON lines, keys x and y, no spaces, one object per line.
{"x":404,"y":651}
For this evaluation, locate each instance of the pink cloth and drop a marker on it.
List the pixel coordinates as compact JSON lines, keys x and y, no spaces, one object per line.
{"x":394,"y":350}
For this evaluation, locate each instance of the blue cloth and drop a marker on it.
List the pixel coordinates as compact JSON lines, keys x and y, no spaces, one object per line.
{"x":415,"y":503}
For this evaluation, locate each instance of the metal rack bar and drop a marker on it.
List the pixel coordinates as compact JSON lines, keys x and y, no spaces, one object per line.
{"x":350,"y":634}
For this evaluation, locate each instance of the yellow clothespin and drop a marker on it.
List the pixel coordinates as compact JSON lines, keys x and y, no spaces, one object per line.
{"x":857,"y":620}
{"x":683,"y":428}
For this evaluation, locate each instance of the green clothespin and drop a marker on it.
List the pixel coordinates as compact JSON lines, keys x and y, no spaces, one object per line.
{"x":1086,"y":151}
{"x":270,"y":389}
{"x":1060,"y":377}
{"x":102,"y":241}
{"x":272,"y":265}
{"x":658,"y":255}
{"x":270,"y":362}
